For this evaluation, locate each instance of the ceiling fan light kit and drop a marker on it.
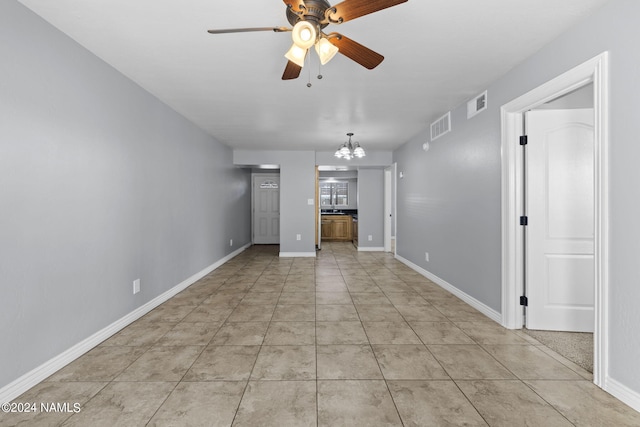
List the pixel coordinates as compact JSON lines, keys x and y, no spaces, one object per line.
{"x":350,"y":150}
{"x":309,"y":18}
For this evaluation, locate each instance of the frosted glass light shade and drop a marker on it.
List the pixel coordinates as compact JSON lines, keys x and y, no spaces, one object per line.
{"x":304,"y":34}
{"x":326,"y":51}
{"x":296,"y":55}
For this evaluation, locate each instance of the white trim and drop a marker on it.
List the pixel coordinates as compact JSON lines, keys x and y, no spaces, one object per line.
{"x":42,"y":372}
{"x":478,"y":305}
{"x":596,"y":71}
{"x":371,"y":249}
{"x":623,"y":393}
{"x":297,"y":254}
{"x":388,"y":215}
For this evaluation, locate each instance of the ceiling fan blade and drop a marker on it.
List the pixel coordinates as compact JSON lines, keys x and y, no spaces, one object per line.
{"x":248,"y":30}
{"x":291,"y":71}
{"x":355,"y":51}
{"x":296,"y":5}
{"x":352,"y":9}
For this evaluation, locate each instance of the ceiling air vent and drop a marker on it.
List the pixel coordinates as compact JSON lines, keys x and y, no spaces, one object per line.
{"x":441,"y":126}
{"x":477,"y":104}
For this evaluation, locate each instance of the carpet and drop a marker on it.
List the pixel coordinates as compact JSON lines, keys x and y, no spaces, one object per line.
{"x":575,"y":346}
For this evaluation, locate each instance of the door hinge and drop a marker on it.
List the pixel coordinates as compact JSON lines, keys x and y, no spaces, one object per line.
{"x":524,"y":140}
{"x":524,"y":220}
{"x":524,"y":301}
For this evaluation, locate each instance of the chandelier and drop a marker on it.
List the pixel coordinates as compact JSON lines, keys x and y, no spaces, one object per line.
{"x":349,"y":150}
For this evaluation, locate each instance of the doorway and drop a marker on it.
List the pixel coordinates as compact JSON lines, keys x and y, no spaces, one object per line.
{"x":266,"y":209}
{"x":514,"y":268}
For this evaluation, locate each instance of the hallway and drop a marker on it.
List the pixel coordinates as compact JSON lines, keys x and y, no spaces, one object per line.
{"x":346,"y":339}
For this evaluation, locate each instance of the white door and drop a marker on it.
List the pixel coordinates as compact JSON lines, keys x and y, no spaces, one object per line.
{"x":266,"y":209}
{"x":560,"y":231}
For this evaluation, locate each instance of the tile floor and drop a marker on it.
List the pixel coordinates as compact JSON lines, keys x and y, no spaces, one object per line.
{"x":346,"y":339}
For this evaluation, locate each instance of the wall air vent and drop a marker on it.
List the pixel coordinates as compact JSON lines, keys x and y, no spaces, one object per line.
{"x":441,"y":126}
{"x":477,"y":104}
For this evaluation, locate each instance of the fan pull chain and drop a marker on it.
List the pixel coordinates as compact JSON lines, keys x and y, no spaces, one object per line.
{"x":319,"y":70}
{"x":309,"y":67}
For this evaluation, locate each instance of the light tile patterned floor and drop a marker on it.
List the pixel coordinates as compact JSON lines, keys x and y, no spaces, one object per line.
{"x":346,"y":339}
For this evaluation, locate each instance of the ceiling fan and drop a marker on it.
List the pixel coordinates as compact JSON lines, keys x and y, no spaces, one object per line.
{"x":309,"y":18}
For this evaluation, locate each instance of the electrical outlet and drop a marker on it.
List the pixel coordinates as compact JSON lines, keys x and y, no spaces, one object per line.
{"x":230,"y":242}
{"x":370,"y":238}
{"x":426,"y":256}
{"x":136,"y":286}
{"x":311,"y":202}
{"x":298,"y":237}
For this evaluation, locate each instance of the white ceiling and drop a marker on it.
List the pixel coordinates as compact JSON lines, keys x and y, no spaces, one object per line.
{"x":438,"y":54}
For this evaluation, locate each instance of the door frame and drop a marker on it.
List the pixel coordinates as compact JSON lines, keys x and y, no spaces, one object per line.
{"x":593,"y":71}
{"x":391,"y":191}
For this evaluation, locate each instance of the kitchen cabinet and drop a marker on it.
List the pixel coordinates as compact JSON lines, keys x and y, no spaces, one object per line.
{"x":336,"y":228}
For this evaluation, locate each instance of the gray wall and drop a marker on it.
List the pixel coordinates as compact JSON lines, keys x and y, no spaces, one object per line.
{"x":449,"y":199}
{"x":100,"y":184}
{"x":297,"y":186}
{"x":370,"y":208}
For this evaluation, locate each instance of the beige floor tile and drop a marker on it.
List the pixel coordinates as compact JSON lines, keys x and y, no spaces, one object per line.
{"x":340,"y":333}
{"x":122,"y":404}
{"x":355,"y":403}
{"x":433,"y":403}
{"x":261,"y":298}
{"x":290,"y":333}
{"x":169,"y":313}
{"x":379,"y":313}
{"x":440,"y":333}
{"x":333,"y":298}
{"x":72,"y":393}
{"x":336,"y":313}
{"x":241,"y":333}
{"x":100,"y":364}
{"x":139,"y":334}
{"x":208,"y":313}
{"x":488,"y":332}
{"x":331,"y":286}
{"x":251,"y":313}
{"x":406,"y":298}
{"x":200,"y":404}
{"x":529,"y":362}
{"x":420,"y":313}
{"x":510,"y":403}
{"x":244,"y":337}
{"x":225,"y":362}
{"x":469,"y":362}
{"x":370,"y":298}
{"x":408,"y":362}
{"x":190,"y":334}
{"x":347,"y":362}
{"x":297,"y":298}
{"x":295,"y":313}
{"x":299,"y":286}
{"x":161,"y":364}
{"x":289,"y":362}
{"x":390,"y":333}
{"x":278,"y":404}
{"x":585,"y":404}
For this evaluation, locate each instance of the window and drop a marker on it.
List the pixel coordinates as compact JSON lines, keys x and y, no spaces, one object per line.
{"x":334,"y":194}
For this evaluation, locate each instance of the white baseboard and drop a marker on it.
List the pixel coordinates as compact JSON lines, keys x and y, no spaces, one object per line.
{"x":370,"y":249}
{"x":478,"y":305}
{"x":297,"y":254}
{"x":622,"y":393}
{"x":42,"y":372}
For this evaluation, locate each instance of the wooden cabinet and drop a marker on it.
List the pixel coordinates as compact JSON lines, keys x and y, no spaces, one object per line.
{"x":336,"y":228}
